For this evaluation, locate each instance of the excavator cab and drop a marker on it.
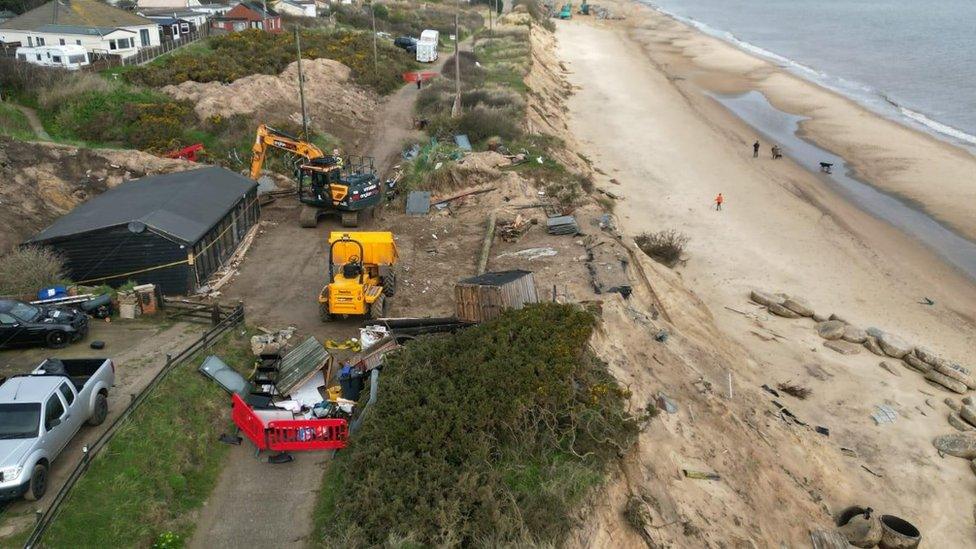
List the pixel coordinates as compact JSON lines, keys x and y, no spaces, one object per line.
{"x":362,"y":278}
{"x":328,"y":183}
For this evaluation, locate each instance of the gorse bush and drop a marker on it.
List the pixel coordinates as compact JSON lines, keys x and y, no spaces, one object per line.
{"x":124,"y":116}
{"x":24,"y":271}
{"x":240,"y":54}
{"x":488,"y":437}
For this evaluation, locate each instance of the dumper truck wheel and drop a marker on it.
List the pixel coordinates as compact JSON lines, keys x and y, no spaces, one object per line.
{"x":378,"y":308}
{"x":349,"y":219}
{"x":57,"y":339}
{"x":100,"y":412}
{"x":308,"y":217}
{"x":390,"y":284}
{"x":324,"y":314}
{"x":38,"y":483}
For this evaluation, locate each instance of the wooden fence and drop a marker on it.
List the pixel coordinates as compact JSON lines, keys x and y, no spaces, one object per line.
{"x":146,"y":55}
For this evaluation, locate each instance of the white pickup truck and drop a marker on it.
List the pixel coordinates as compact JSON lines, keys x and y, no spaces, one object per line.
{"x":41,"y":412}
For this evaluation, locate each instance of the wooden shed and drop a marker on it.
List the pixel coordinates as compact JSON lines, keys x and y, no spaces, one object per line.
{"x":485,"y":296}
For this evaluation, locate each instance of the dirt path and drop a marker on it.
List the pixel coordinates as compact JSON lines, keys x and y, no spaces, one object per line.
{"x":283,"y":272}
{"x":35,"y":122}
{"x":394,"y":120}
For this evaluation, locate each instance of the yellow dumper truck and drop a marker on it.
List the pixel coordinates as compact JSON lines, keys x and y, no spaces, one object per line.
{"x":362,"y":276}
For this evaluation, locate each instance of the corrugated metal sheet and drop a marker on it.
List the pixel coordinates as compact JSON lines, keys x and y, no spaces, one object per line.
{"x":300,"y":363}
{"x":478,"y":301}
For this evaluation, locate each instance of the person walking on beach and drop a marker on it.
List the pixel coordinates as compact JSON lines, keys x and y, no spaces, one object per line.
{"x":755,"y":149}
{"x":718,"y":202}
{"x":777,"y":153}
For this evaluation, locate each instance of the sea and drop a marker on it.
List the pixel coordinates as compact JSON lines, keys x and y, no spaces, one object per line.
{"x":911,"y":60}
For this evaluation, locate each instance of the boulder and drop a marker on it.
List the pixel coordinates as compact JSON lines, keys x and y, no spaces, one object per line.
{"x":854,"y":334}
{"x":959,"y":445}
{"x":926,"y":355}
{"x":953,"y":385}
{"x":838,"y":318}
{"x":968,"y":401}
{"x":817,"y":317}
{"x":872,"y":345}
{"x":972,"y":465}
{"x":764,"y":299}
{"x":874,"y":332}
{"x":832,"y":329}
{"x":894,"y":346}
{"x":917,"y":364}
{"x":780,"y":310}
{"x":798,"y":306}
{"x":957,"y":372}
{"x":843,"y":347}
{"x":957,"y":423}
{"x":969,"y":414}
{"x":952,"y":404}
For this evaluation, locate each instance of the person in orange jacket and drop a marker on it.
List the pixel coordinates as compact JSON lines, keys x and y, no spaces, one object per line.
{"x":718,"y":202}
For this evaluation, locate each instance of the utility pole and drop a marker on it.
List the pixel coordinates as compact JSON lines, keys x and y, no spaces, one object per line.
{"x":456,"y":109}
{"x":491,"y":8}
{"x":301,"y":84}
{"x":372,"y":16}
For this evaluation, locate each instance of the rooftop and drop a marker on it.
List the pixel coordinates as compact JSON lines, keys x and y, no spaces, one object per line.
{"x":89,"y":14}
{"x":181,"y":205}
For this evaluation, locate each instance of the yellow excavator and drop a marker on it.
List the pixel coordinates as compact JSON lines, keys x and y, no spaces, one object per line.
{"x":326,"y":183}
{"x":362,"y":276}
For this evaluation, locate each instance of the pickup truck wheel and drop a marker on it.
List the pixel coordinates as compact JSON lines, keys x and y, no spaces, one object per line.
{"x":100,"y":412}
{"x":57,"y":339}
{"x":38,"y":483}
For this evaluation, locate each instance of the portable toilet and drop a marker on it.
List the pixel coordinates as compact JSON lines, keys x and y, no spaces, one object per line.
{"x":427,"y":46}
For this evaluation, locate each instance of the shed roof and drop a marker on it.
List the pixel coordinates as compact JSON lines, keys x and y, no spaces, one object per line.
{"x":498,"y":278}
{"x":182,"y":205}
{"x":75,"y":13}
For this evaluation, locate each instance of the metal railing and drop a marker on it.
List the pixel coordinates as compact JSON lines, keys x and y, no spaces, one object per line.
{"x":146,"y":55}
{"x":205,"y":341}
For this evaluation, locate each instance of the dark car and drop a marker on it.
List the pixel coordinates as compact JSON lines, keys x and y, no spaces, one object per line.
{"x":408,"y":43}
{"x":23,"y":324}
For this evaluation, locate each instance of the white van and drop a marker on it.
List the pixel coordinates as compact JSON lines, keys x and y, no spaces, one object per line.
{"x":69,"y":56}
{"x":427,"y":46}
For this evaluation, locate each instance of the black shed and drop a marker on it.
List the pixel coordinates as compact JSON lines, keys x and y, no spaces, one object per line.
{"x":172,"y":230}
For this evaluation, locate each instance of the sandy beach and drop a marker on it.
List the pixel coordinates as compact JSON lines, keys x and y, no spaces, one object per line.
{"x":643,"y":114}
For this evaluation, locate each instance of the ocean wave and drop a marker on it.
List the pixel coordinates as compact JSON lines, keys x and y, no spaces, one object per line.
{"x":862,"y":93}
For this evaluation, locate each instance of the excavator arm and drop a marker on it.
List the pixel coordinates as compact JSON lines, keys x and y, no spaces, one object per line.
{"x":269,"y":137}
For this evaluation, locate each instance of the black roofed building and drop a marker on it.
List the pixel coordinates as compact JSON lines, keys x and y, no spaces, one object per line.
{"x":172,"y":230}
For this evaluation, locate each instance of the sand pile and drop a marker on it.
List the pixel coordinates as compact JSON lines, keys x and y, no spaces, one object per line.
{"x":335,"y":105}
{"x":42,"y":181}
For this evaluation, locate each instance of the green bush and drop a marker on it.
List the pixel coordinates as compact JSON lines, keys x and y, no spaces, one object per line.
{"x":492,"y":436}
{"x":240,"y":54}
{"x":480,"y":123}
{"x":124,"y":116}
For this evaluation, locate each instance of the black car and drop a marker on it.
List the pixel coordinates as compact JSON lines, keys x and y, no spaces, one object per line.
{"x":23,"y":324}
{"x":408,"y":43}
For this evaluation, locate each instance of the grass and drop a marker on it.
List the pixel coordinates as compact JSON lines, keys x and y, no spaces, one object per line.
{"x":664,"y":247}
{"x":489,"y":437}
{"x":13,"y":123}
{"x":161,"y":465}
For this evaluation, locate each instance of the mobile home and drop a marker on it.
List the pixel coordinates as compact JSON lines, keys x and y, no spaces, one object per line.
{"x":427,"y":46}
{"x":68,"y":56}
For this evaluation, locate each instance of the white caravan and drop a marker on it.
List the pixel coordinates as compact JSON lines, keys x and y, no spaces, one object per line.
{"x":427,"y":46}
